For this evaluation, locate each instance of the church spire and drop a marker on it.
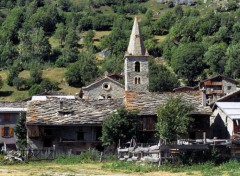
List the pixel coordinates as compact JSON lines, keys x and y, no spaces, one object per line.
{"x":136,"y":45}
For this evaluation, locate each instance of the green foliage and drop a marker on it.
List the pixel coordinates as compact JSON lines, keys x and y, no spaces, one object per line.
{"x":80,"y":73}
{"x":121,"y":125}
{"x":173,"y":119}
{"x":13,"y":73}
{"x":60,"y":33}
{"x":215,"y":58}
{"x":48,"y":85}
{"x":160,"y":78}
{"x":187,"y":62}
{"x":35,"y":76}
{"x":232,"y":67}
{"x":21,"y":131}
{"x":34,"y":90}
{"x":1,"y":82}
{"x":85,"y":157}
{"x":19,"y":83}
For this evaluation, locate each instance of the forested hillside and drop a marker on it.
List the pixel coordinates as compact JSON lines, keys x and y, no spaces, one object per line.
{"x":54,"y":44}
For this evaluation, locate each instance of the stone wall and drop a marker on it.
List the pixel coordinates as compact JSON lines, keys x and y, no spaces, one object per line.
{"x":98,"y":91}
{"x":228,"y":86}
{"x":130,"y":74}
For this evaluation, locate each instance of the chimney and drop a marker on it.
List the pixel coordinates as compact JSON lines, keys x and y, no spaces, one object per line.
{"x":204,"y":97}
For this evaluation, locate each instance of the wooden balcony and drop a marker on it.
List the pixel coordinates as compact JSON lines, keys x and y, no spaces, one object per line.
{"x":214,"y":92}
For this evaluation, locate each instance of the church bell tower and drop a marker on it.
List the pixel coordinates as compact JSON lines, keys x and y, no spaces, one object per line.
{"x":136,"y":62}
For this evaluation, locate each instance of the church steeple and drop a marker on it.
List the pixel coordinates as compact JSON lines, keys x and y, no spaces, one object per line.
{"x":136,"y":45}
{"x":136,"y":62}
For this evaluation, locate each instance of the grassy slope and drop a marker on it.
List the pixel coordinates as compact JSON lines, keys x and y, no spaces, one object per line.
{"x":57,"y":74}
{"x":8,"y":93}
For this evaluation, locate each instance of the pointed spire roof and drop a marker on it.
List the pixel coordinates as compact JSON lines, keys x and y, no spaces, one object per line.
{"x":136,"y":45}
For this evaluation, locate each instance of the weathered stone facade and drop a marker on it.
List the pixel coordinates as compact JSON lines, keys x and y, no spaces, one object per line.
{"x":105,"y":88}
{"x":228,"y":86}
{"x":132,"y":82}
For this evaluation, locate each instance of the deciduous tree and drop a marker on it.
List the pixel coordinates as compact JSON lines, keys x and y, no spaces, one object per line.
{"x":173,"y":119}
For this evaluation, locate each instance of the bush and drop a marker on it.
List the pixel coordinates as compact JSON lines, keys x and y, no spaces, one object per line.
{"x":19,"y":83}
{"x":85,"y":157}
{"x":35,"y":89}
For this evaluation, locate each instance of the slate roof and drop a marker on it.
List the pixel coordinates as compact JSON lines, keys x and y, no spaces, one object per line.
{"x":136,"y":45}
{"x":13,"y":107}
{"x":231,"y":109}
{"x":73,"y":112}
{"x":147,"y":103}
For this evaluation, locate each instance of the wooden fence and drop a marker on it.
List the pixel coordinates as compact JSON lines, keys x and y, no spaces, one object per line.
{"x":48,"y":153}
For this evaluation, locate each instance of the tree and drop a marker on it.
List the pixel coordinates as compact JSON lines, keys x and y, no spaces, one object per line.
{"x":121,"y":125}
{"x":173,"y":119}
{"x":13,"y":73}
{"x":21,"y":131}
{"x":73,"y":75}
{"x":60,"y":33}
{"x":160,"y":78}
{"x":81,"y":72}
{"x":187,"y":61}
{"x":35,"y":76}
{"x":88,"y":40}
{"x":215,"y":58}
{"x":35,"y":89}
{"x":232,"y":65}
{"x":19,"y":82}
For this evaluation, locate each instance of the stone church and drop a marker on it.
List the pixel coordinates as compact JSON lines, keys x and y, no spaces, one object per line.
{"x":135,"y":72}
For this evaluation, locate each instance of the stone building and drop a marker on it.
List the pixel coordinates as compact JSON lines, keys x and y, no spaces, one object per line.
{"x":67,"y":123}
{"x":225,"y":119}
{"x":136,"y":62}
{"x":216,"y":87}
{"x":108,"y":87}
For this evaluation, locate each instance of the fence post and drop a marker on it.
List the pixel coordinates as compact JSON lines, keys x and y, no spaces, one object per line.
{"x":54,"y":151}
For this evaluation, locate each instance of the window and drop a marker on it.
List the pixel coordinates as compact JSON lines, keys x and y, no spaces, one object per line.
{"x":80,"y":136}
{"x":6,"y":117}
{"x":7,"y":132}
{"x":106,"y":86}
{"x":137,"y":66}
{"x":137,"y":80}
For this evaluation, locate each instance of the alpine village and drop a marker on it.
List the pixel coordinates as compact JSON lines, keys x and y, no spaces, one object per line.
{"x":119,"y":87}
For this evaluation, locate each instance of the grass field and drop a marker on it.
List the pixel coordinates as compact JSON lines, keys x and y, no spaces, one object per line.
{"x":118,"y":168}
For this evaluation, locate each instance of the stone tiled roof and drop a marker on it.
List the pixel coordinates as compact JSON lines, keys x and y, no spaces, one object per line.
{"x":15,"y":104}
{"x":73,"y":112}
{"x":147,"y":103}
{"x":136,"y":45}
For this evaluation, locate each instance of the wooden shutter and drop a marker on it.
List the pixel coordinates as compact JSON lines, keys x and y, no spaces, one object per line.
{"x":10,"y":132}
{"x":2,"y":131}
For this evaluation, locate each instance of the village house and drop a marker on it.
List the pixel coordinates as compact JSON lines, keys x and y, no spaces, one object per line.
{"x":216,"y":87}
{"x":107,"y":87}
{"x":224,"y":121}
{"x":69,"y":124}
{"x":9,"y":112}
